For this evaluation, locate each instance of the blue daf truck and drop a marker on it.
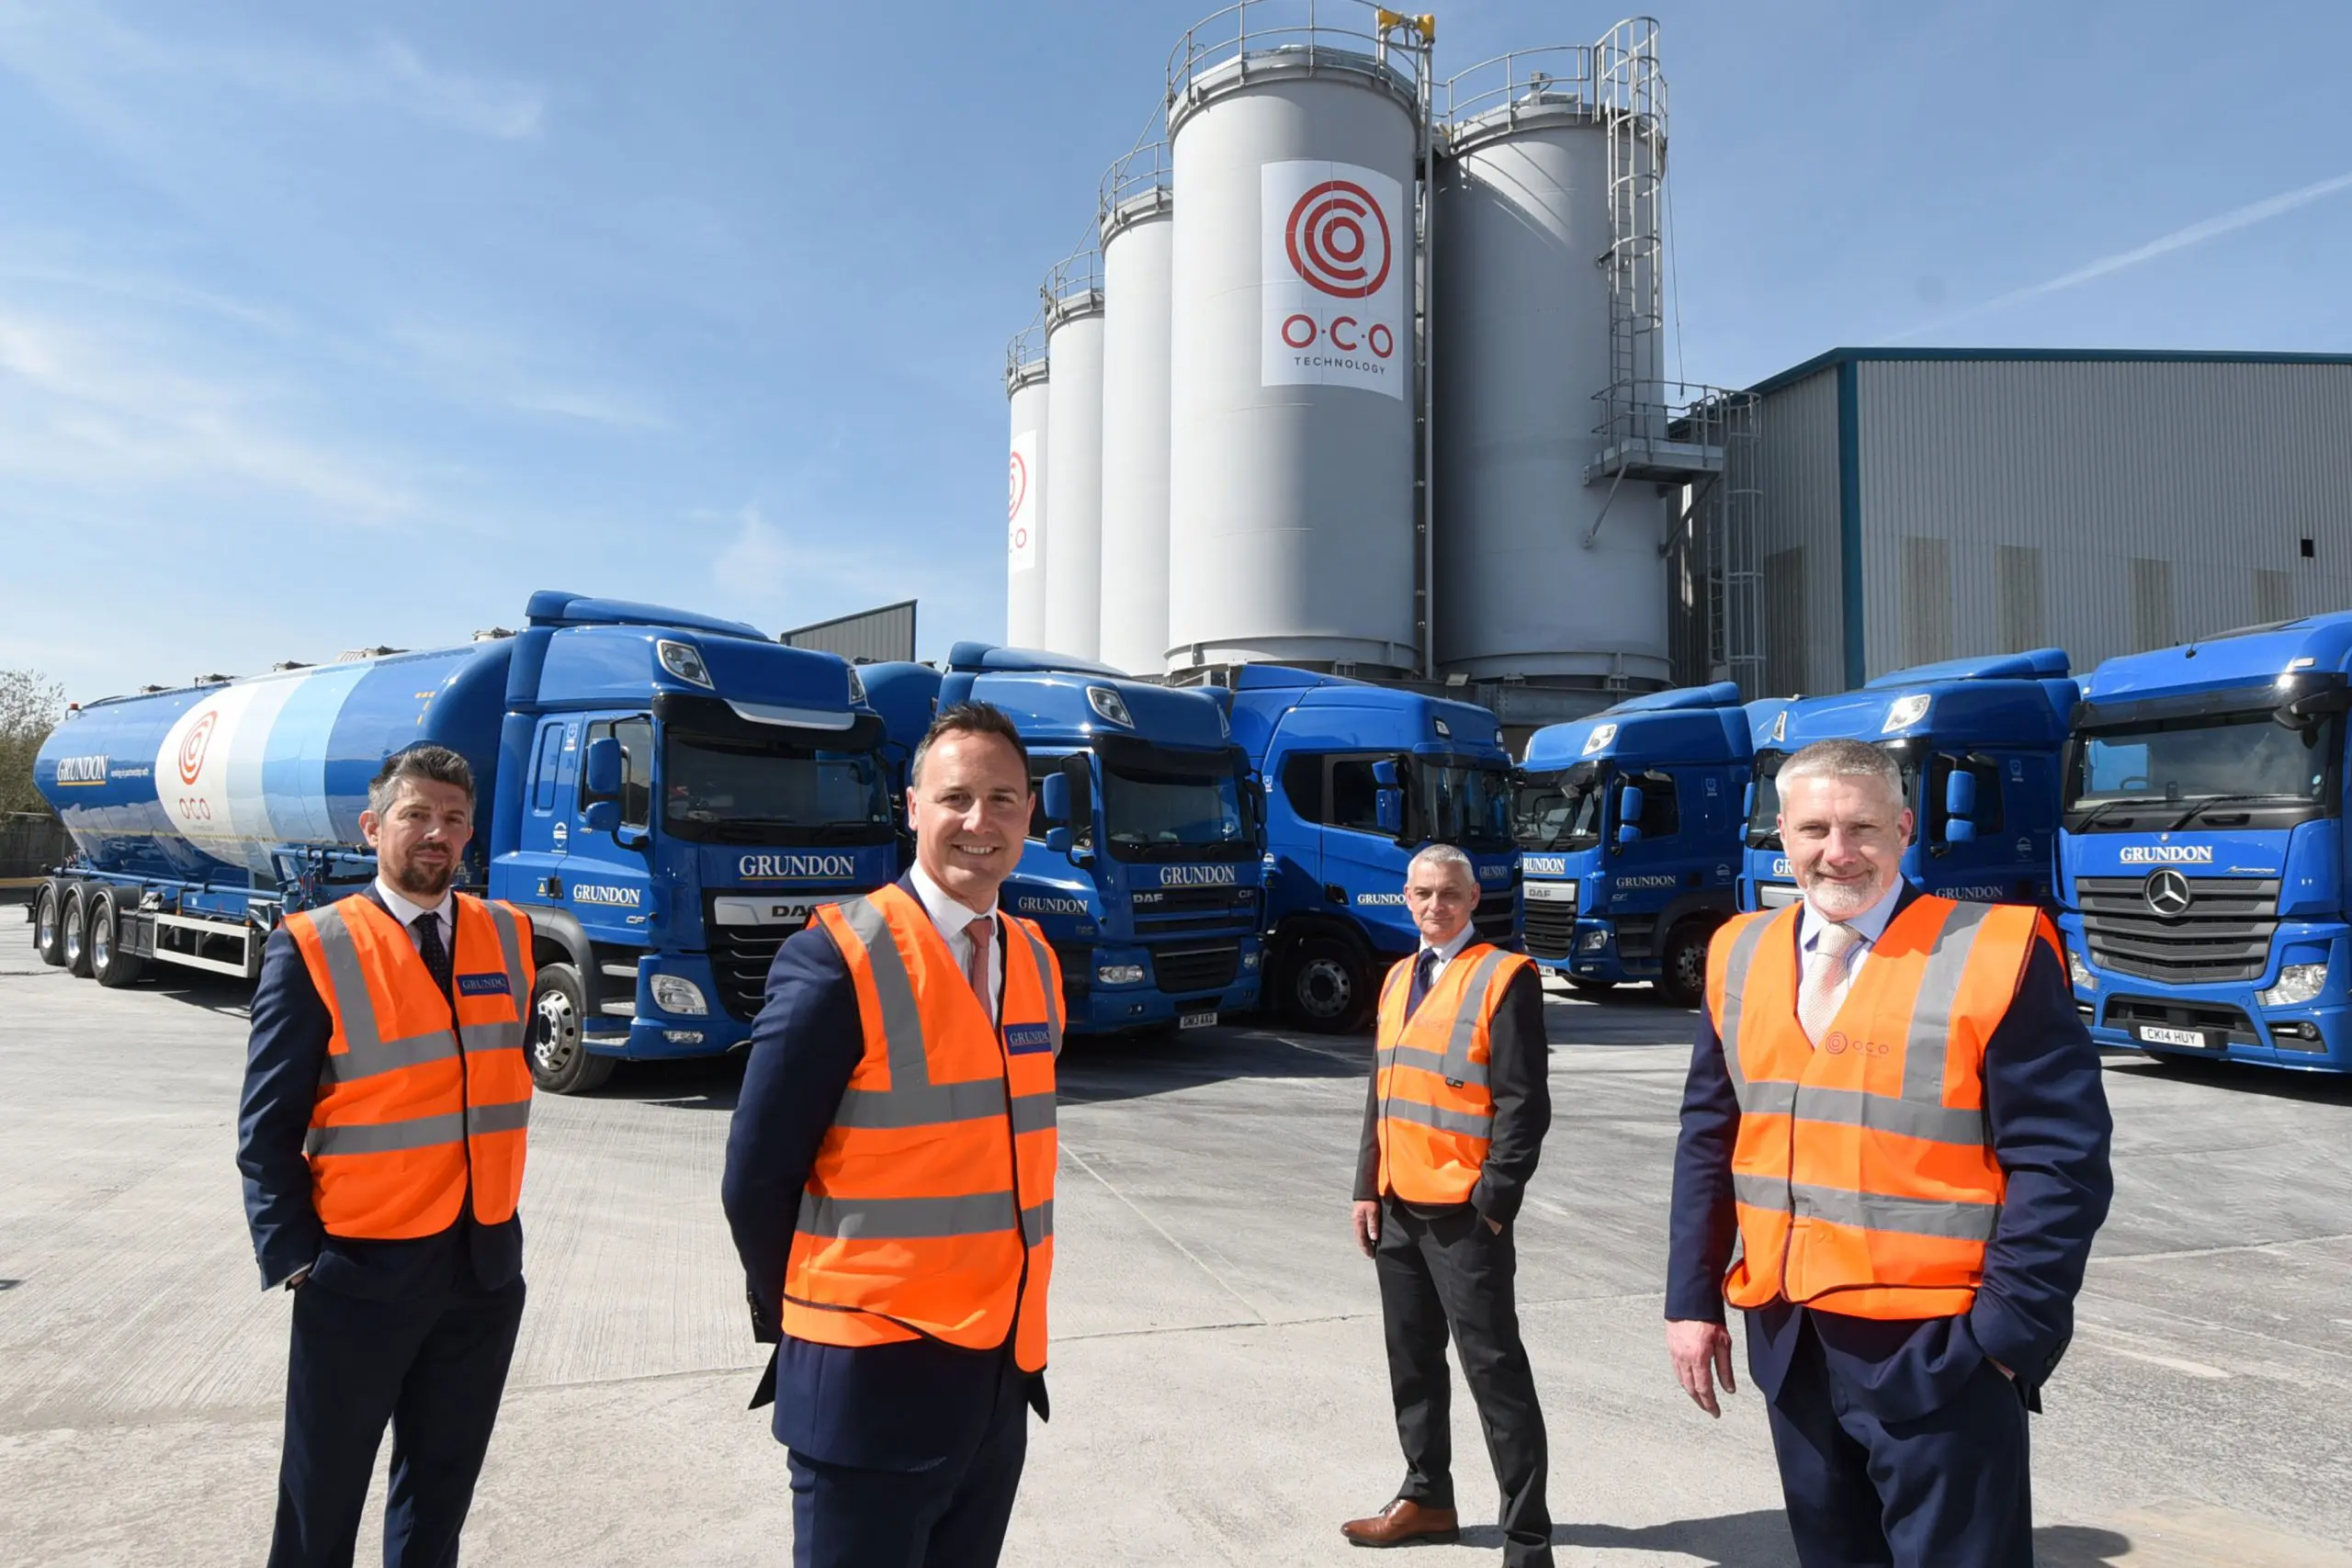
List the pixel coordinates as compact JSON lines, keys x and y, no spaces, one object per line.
{"x":2203,"y":862}
{"x":1143,"y":862}
{"x":1629,"y":826}
{"x":666,"y":795}
{"x":1356,"y":777}
{"x":1979,"y":741}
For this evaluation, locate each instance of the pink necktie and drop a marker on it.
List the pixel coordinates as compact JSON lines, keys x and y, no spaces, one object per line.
{"x":1818,"y":997}
{"x":981,"y":934}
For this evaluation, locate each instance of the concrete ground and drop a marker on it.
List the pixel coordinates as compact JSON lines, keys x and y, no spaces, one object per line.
{"x":1217,"y":1380}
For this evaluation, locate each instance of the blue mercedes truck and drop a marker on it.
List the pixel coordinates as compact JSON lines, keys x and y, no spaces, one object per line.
{"x":667,"y":795}
{"x":2202,"y":862}
{"x":1979,"y":742}
{"x":1143,"y":860}
{"x":1629,"y":826}
{"x":1356,"y":777}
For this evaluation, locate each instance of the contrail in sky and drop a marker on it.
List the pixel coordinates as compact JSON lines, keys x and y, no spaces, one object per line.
{"x":2179,"y":240}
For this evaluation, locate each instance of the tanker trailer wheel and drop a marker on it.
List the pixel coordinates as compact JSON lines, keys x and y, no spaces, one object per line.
{"x":74,"y":932}
{"x":49,"y":924}
{"x":1682,"y":973}
{"x":110,"y":966}
{"x":560,"y":1062}
{"x":1326,"y":987}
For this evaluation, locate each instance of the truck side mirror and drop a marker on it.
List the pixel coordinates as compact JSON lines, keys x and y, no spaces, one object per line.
{"x":1747,"y":802}
{"x":601,"y":772}
{"x":601,"y":815}
{"x":1629,"y":815}
{"x":1389,"y":799}
{"x":1054,"y":792}
{"x":1960,"y":806}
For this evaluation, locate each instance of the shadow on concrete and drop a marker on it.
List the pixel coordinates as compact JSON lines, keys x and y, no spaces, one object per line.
{"x":2078,"y":1546}
{"x":1103,"y":1069}
{"x":700,"y":1083}
{"x":223,"y":994}
{"x":2237,"y":1077}
{"x":1761,"y":1540}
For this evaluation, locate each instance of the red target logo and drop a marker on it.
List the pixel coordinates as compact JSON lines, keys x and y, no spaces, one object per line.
{"x":199,"y":735}
{"x":1338,"y":239}
{"x":1020,"y":487}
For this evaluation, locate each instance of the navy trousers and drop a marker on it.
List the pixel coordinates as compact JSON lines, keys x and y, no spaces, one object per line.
{"x":952,"y":1515}
{"x":434,"y":1370}
{"x":1950,"y":1490}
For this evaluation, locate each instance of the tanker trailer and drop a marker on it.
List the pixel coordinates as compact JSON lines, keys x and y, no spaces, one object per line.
{"x":667,"y":795}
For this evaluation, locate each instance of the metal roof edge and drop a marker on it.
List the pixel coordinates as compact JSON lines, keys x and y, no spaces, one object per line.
{"x":1837,"y":356}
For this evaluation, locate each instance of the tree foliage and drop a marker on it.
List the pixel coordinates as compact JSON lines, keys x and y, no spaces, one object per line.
{"x":30,"y":705}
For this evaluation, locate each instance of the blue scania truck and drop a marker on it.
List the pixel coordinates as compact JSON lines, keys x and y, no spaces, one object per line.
{"x":2203,"y":864}
{"x":1143,"y":860}
{"x":1356,"y":777}
{"x":1980,"y":743}
{"x":668,"y":796}
{"x":1629,"y":826}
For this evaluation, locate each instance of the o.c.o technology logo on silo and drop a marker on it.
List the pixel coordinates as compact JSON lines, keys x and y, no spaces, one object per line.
{"x":1338,"y":239}
{"x":1020,"y":477}
{"x":1020,"y":508}
{"x":191,"y":759}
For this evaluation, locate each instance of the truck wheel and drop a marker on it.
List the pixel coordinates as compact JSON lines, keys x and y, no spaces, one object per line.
{"x":110,"y":966}
{"x":1327,"y":989}
{"x":1683,"y":973}
{"x":1586,"y":983}
{"x":73,"y":933}
{"x":49,"y":924}
{"x":560,"y":1062}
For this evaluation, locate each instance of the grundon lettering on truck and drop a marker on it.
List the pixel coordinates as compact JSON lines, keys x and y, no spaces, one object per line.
{"x":2166,"y":854}
{"x":605,"y":893}
{"x":1199,"y":875}
{"x":1544,"y":865}
{"x":797,"y":868}
{"x":81,"y":771}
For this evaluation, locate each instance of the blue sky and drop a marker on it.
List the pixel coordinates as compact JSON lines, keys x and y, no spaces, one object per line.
{"x":325,"y":326}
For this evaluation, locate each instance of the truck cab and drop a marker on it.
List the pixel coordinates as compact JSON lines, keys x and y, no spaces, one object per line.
{"x":1979,"y":743}
{"x":1143,"y":865}
{"x":2202,"y":860}
{"x":1629,"y":826}
{"x":1357,"y":777}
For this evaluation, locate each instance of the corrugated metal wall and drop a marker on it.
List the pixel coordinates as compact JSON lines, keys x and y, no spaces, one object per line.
{"x":2102,"y":506}
{"x":870,"y":636}
{"x":1797,"y":526}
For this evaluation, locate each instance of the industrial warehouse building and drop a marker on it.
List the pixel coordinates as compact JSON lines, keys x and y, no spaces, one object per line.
{"x":1919,"y":504}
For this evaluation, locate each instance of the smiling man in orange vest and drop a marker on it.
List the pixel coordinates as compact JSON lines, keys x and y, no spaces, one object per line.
{"x":891,"y":1180}
{"x":1895,"y":1110}
{"x":380,"y":1138}
{"x":1453,"y":1124}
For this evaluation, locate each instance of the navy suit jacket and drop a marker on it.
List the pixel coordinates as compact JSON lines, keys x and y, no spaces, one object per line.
{"x":902,"y":1406}
{"x":2047,"y":1111}
{"x":284,"y":1062}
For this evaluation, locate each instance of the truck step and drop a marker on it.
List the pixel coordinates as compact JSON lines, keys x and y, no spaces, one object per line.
{"x":619,"y":1010}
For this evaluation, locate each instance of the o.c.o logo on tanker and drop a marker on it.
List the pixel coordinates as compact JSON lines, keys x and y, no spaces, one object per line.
{"x":1019,"y":492}
{"x":192,"y":746}
{"x":1338,"y":239}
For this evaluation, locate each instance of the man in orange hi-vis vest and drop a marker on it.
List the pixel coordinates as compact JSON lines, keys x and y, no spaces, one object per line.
{"x":381,"y":1136}
{"x":1896,"y":1112}
{"x":891,"y":1180}
{"x":1454,"y":1123}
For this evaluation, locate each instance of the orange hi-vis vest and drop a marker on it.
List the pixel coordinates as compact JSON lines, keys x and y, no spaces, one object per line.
{"x":1864,"y":1170}
{"x":416,"y":1106}
{"x":1437,"y":1111}
{"x":929,"y":1213}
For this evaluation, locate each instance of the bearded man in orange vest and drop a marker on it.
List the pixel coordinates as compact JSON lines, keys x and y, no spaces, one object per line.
{"x":891,"y":1180}
{"x":382,"y":1138}
{"x":1895,"y":1110}
{"x":1452,"y":1125}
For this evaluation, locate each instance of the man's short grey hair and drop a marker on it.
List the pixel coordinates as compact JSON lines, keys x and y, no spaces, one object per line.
{"x":1441,"y":855}
{"x":1844,"y":758}
{"x":435,"y":764}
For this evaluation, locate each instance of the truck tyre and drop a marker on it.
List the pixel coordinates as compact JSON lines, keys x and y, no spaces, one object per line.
{"x":560,"y":1062}
{"x":1327,"y":987}
{"x":49,"y":924}
{"x":110,"y":966}
{"x":1588,"y":984}
{"x":1682,"y":970}
{"x":74,"y":932}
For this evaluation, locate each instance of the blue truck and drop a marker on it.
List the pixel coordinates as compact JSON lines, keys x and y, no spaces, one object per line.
{"x":1356,"y":777}
{"x":1980,"y":742}
{"x":2202,"y":860}
{"x":1629,"y":826}
{"x":668,"y":796}
{"x":1143,"y":861}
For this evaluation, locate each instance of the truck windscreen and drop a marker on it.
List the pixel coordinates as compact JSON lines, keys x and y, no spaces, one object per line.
{"x":2229,"y":770}
{"x":1462,"y":804}
{"x":733,"y":791}
{"x":1559,"y":810}
{"x":1152,"y":811}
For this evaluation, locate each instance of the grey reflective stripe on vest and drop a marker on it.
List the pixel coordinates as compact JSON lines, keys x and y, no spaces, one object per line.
{"x":921,"y":1106}
{"x":906,"y":1219}
{"x":387,"y":1137}
{"x":365,"y":1052}
{"x":1735,"y":967}
{"x":511,"y":1117}
{"x":1923,"y":1071}
{"x":1467,"y":1018}
{"x":1947,"y":1219}
{"x":901,"y":1014}
{"x":1033,"y":1113}
{"x":1854,"y":1108}
{"x":1465,"y":1123}
{"x":1037,"y":1223}
{"x":1038,"y":958}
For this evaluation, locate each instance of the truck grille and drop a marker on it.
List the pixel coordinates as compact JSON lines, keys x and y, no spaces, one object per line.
{"x":1192,"y":900}
{"x":2224,"y":934}
{"x":1077,"y":975}
{"x":1551,"y":928}
{"x":1493,"y":921}
{"x":1636,"y":937}
{"x":2228,"y":1024}
{"x":739,"y":959}
{"x":1180,"y":969}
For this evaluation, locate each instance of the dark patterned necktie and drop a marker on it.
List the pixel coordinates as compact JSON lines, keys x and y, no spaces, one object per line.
{"x":1422,"y":967}
{"x":430,"y":948}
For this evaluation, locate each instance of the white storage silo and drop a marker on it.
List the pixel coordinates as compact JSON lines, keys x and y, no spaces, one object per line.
{"x":1292,"y":429}
{"x":1074,"y":458}
{"x":1027,"y":390}
{"x":1138,"y":235}
{"x":1539,"y":573}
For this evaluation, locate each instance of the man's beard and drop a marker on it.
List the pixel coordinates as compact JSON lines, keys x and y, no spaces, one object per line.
{"x":1843,"y":900}
{"x":420,"y":882}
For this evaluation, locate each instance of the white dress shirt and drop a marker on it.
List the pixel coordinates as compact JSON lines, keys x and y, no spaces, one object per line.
{"x":405,"y":911}
{"x":1869,"y":926}
{"x":1446,"y":951}
{"x":951,"y":915}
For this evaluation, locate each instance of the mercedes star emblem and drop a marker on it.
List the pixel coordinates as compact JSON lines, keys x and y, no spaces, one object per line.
{"x":2167,"y":892}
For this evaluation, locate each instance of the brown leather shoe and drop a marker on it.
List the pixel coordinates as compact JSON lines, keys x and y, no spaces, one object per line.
{"x":1403,"y":1523}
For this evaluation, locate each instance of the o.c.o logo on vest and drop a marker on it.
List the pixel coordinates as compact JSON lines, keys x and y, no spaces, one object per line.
{"x":1837,"y":1042}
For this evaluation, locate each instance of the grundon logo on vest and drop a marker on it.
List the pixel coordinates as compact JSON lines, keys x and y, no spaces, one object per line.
{"x":797,"y":868}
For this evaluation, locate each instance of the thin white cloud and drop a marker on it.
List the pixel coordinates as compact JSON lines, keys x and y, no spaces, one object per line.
{"x":2181,"y":239}
{"x":493,"y":368}
{"x":755,"y":564}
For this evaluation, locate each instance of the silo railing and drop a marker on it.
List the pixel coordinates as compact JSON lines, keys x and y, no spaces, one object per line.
{"x":1074,"y":285}
{"x":1300,"y":29}
{"x":1496,"y":93}
{"x":1140,"y":181}
{"x":1024,"y":357}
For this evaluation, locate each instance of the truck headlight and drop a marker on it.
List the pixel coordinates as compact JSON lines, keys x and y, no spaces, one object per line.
{"x":684,"y":660}
{"x":2298,"y":983}
{"x":676,"y":993}
{"x":1592,"y":941}
{"x":1118,"y":974}
{"x":2080,"y":972}
{"x":1250,"y":960}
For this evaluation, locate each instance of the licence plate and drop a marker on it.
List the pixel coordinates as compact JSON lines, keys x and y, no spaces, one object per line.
{"x":2189,"y":1037}
{"x":1196,"y":1019}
